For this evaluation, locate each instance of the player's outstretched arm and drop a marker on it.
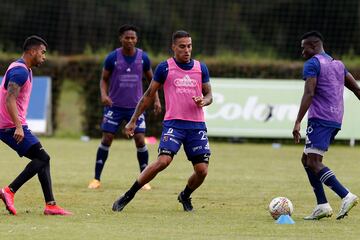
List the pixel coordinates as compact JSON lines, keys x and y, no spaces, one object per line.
{"x":146,"y":100}
{"x":352,"y":85}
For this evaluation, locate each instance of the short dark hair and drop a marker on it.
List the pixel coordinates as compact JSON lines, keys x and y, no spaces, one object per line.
{"x":179,"y":34}
{"x":33,"y":41}
{"x":127,"y":27}
{"x":316,"y":34}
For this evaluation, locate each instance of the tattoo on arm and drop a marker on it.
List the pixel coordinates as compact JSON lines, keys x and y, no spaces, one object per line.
{"x":13,"y":89}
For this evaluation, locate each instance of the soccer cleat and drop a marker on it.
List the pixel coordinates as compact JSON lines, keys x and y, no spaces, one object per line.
{"x":320,"y":211}
{"x":94,"y":184}
{"x":186,"y":202}
{"x":8,"y":198}
{"x":146,"y":187}
{"x":55,"y":210}
{"x":348,"y":202}
{"x":120,"y":203}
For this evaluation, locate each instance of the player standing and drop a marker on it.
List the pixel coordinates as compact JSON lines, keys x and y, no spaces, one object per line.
{"x":187,"y":90}
{"x":15,"y":93}
{"x":324,"y":78}
{"x":121,"y":89}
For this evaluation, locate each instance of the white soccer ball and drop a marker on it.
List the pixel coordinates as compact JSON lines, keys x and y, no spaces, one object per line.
{"x":280,"y":206}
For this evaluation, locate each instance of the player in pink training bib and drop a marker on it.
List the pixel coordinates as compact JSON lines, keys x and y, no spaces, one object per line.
{"x":187,"y":90}
{"x":15,"y":93}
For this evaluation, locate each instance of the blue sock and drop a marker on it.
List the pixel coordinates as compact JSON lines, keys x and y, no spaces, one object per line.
{"x":327,"y":177}
{"x":143,"y":157}
{"x":317,"y":186}
{"x":101,"y":157}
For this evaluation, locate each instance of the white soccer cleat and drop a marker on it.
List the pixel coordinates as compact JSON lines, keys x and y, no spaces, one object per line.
{"x":320,"y":211}
{"x":348,"y":202}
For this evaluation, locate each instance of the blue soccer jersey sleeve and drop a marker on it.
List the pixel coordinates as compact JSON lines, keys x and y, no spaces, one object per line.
{"x":146,"y":62}
{"x":18,"y":75}
{"x":204,"y":73}
{"x":161,"y":72}
{"x":110,"y":60}
{"x":311,"y":68}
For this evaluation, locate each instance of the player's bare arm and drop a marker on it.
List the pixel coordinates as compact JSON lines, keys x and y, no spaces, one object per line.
{"x":206,"y":99}
{"x":12,"y":94}
{"x":157,"y":103}
{"x":309,"y":91}
{"x":104,"y":87}
{"x":146,"y":100}
{"x":352,"y":85}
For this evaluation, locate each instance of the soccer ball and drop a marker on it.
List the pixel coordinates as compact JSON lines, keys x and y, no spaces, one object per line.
{"x":280,"y":206}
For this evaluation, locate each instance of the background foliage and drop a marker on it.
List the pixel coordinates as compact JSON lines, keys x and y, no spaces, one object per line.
{"x":240,"y":26}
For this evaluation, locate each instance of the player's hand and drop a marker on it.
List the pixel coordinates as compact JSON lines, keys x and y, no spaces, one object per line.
{"x":106,"y":100}
{"x":296,"y":132}
{"x":157,"y":107}
{"x":129,"y":129}
{"x":199,"y":101}
{"x":19,"y":134}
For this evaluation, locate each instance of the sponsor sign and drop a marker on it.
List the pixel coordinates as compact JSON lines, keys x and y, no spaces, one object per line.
{"x":266,"y":108}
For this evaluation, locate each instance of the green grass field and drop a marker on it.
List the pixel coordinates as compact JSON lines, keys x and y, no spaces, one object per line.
{"x":231,"y":204}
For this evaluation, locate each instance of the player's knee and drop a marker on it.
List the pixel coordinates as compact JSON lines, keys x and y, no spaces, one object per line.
{"x":139,"y":140}
{"x":162,"y":162}
{"x":202,"y":171}
{"x":43,"y":156}
{"x":315,"y":166}
{"x":107,"y":139}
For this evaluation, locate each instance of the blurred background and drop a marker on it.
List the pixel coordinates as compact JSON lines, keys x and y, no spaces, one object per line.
{"x":218,"y":27}
{"x":236,"y":38}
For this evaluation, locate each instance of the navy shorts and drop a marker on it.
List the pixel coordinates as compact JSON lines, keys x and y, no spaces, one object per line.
{"x":319,"y":136}
{"x":7,"y":136}
{"x":195,"y":141}
{"x":114,"y":116}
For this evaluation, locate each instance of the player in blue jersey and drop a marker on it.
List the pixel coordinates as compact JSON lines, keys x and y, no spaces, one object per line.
{"x":15,"y":93}
{"x":187,"y":90}
{"x":324,"y":78}
{"x":121,"y":89}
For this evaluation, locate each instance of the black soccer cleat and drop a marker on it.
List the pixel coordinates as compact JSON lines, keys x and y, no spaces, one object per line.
{"x":120,"y":203}
{"x":186,"y":202}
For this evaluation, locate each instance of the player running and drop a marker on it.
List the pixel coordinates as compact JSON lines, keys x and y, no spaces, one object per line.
{"x":15,"y":93}
{"x":187,"y":90}
{"x":324,"y":78}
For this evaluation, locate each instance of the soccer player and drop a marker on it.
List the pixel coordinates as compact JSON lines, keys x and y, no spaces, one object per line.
{"x":15,"y":93}
{"x":121,"y":89}
{"x":324,"y":78}
{"x":187,"y":90}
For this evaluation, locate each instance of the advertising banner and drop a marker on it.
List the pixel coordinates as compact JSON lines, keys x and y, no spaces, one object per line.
{"x":266,"y":109}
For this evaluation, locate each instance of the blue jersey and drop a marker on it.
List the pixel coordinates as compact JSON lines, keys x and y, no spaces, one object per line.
{"x":160,"y":76}
{"x":110,"y":61}
{"x":18,"y":75}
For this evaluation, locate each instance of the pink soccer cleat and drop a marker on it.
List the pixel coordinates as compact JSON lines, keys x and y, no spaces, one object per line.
{"x":8,"y":198}
{"x":55,"y":210}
